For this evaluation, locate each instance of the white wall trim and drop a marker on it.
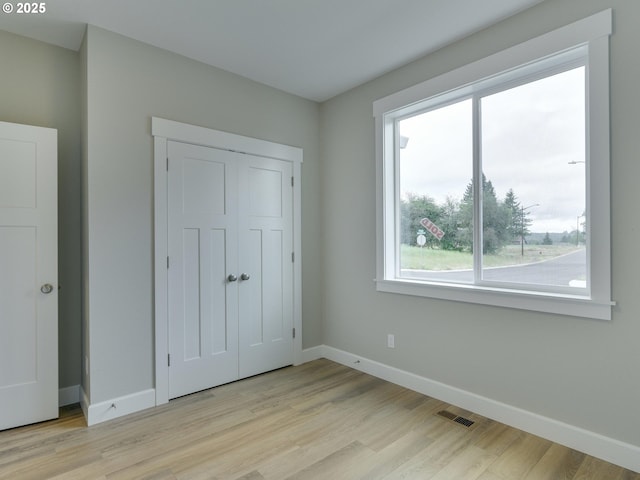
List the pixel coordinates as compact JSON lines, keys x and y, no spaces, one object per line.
{"x":594,"y":444}
{"x":164,"y":130}
{"x":184,"y":132}
{"x":313,"y":353}
{"x":84,"y":402}
{"x":68,"y":395}
{"x":118,"y":407}
{"x":586,"y":42}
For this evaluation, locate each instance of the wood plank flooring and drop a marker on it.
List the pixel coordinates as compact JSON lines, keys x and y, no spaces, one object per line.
{"x":320,"y":420}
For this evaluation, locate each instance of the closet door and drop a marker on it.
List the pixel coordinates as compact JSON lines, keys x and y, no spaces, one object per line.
{"x":230,"y":280}
{"x":266,"y":265}
{"x":203,"y":256}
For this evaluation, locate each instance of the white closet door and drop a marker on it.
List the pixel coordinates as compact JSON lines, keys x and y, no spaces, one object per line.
{"x":28,"y":275}
{"x":266,"y":296}
{"x":230,"y":284}
{"x":203,"y":243}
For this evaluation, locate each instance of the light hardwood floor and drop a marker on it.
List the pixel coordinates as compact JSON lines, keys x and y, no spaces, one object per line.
{"x":317,"y":421}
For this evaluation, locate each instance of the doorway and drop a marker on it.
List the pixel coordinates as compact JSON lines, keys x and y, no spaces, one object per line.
{"x":227,"y":280}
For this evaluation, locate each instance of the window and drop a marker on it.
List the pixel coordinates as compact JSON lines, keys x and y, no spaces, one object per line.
{"x":493,"y":179}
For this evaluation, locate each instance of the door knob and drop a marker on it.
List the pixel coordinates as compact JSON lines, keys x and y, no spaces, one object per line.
{"x":46,"y":288}
{"x":232,"y":278}
{"x":245,"y":276}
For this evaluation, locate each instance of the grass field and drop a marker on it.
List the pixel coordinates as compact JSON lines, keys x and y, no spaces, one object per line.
{"x":417,"y":258}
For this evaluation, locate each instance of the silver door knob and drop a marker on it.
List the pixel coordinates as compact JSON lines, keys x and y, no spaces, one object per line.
{"x":232,"y":278}
{"x":245,"y":276}
{"x":46,"y":288}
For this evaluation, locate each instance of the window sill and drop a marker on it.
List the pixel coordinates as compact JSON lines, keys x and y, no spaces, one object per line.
{"x":562,"y":304}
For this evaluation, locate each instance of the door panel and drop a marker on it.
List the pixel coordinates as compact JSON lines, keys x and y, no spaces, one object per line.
{"x":18,"y":348}
{"x":28,"y":261}
{"x":219,"y":324}
{"x":204,"y":187}
{"x":265,"y":192}
{"x":266,"y":299}
{"x":191,"y":298}
{"x":203,"y":339}
{"x":254,"y":333}
{"x":274,"y":307}
{"x":18,"y":180}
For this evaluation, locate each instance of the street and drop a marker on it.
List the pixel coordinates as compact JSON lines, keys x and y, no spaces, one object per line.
{"x":561,"y":271}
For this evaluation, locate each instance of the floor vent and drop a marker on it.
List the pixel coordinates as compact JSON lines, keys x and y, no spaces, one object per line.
{"x":456,"y":418}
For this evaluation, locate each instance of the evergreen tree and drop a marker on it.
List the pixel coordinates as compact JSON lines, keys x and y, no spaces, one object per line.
{"x":503,"y":221}
{"x":494,"y":221}
{"x":449,"y":223}
{"x":465,"y":218}
{"x":547,"y":240}
{"x":512,"y":214}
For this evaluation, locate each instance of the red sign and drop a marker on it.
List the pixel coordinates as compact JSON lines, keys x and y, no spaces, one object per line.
{"x":432,"y":228}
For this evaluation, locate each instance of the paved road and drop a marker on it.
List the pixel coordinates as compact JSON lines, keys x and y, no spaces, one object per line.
{"x":557,"y":271}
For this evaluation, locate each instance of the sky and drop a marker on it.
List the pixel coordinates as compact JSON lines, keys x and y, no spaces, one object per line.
{"x":530,"y":135}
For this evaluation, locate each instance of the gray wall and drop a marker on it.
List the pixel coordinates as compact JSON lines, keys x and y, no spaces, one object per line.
{"x":127,"y":83}
{"x":579,"y":371}
{"x":582,"y":372}
{"x":39,"y":86}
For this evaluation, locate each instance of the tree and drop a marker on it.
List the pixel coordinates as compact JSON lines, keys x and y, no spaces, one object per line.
{"x":414,"y":209}
{"x":494,"y":221}
{"x":465,"y":218}
{"x":547,"y":240}
{"x":512,"y":213}
{"x":449,"y":223}
{"x":503,"y":221}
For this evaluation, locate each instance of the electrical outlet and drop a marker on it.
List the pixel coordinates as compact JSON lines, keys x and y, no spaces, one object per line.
{"x":391,"y":341}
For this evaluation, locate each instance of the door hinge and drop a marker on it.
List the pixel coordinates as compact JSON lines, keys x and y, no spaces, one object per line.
{"x":294,"y":333}
{"x":167,"y":262}
{"x":293,"y":257}
{"x":167,"y":164}
{"x":292,"y":181}
{"x":168,"y":359}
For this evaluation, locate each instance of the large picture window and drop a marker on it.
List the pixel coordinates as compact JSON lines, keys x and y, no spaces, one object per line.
{"x":493,"y":179}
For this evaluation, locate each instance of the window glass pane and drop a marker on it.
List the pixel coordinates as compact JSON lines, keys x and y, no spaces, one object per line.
{"x":533,"y":159}
{"x":435,"y":204}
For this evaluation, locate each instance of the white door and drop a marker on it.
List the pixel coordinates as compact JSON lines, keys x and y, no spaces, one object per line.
{"x":28,"y":275}
{"x":203,"y":243}
{"x":266,"y":297}
{"x":230,"y":287}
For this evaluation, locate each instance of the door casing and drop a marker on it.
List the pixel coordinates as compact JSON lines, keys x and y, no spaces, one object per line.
{"x":164,"y":130}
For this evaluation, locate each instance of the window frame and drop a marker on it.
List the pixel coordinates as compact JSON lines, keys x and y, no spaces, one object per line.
{"x":585,"y":38}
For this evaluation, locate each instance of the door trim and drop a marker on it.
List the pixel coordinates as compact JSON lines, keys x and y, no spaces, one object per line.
{"x":163,"y":131}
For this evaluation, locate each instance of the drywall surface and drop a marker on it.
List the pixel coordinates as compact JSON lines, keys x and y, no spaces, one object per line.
{"x":39,"y":85}
{"x":128,"y":82}
{"x":578,"y":371}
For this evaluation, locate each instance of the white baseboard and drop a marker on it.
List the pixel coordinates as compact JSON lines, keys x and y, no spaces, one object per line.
{"x":68,"y":395}
{"x":84,"y":402}
{"x":594,"y":444}
{"x":117,"y":407}
{"x":313,"y":353}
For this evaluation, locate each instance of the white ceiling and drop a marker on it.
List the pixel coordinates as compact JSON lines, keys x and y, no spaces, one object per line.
{"x":312,"y":48}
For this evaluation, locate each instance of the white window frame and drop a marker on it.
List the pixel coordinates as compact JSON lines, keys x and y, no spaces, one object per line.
{"x":591,"y":35}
